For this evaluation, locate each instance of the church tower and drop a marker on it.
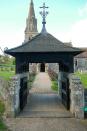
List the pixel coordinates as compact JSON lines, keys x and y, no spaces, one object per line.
{"x":31,"y":24}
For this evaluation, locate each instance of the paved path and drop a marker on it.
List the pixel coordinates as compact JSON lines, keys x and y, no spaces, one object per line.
{"x":44,"y":111}
{"x":46,"y":124}
{"x":43,"y":101}
{"x":42,"y":84}
{"x":44,"y":105}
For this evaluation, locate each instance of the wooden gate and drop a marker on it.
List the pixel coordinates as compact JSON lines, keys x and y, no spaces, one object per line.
{"x":66,"y":94}
{"x":23,"y":92}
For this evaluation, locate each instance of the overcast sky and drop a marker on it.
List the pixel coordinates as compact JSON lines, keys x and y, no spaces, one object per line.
{"x":67,"y":21}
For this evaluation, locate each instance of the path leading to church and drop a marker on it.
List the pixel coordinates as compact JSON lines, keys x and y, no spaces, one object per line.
{"x":42,"y":84}
{"x":43,"y":101}
{"x":44,"y":111}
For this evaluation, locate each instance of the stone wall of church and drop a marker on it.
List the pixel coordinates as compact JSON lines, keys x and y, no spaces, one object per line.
{"x":80,"y":64}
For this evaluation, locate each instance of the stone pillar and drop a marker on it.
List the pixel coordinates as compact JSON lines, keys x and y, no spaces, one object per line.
{"x":77,"y":97}
{"x":14,"y":93}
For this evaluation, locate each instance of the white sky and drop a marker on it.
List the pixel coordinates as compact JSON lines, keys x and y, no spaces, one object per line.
{"x":71,"y":26}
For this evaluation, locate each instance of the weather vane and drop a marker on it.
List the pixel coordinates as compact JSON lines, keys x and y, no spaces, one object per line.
{"x":44,"y":13}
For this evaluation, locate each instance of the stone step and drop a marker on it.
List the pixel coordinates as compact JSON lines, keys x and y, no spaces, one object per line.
{"x":45,"y":114}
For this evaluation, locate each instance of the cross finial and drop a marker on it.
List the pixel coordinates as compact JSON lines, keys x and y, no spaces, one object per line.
{"x":44,"y":14}
{"x":31,"y":1}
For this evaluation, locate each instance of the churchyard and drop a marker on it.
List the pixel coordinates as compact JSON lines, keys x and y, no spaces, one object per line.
{"x":3,"y":127}
{"x":6,"y":74}
{"x":83,"y":77}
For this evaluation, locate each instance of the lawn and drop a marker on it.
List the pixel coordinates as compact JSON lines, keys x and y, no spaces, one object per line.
{"x":83,"y":77}
{"x":7,"y":74}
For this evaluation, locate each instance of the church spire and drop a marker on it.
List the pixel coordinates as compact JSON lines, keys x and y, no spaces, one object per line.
{"x":31,"y":10}
{"x":31,"y":23}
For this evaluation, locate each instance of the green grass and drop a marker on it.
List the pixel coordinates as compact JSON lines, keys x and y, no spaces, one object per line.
{"x":2,"y":125}
{"x":6,"y":74}
{"x":31,"y":80}
{"x":83,"y":77}
{"x":54,"y":85}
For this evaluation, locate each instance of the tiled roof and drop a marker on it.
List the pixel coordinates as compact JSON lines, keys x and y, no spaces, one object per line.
{"x":82,"y":55}
{"x":43,"y":43}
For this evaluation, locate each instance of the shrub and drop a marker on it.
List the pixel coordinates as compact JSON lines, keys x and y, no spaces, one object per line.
{"x":31,"y":79}
{"x":2,"y":110}
{"x":53,"y":75}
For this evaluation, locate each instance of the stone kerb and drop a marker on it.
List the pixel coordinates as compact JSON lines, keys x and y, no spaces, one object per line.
{"x":77,"y":97}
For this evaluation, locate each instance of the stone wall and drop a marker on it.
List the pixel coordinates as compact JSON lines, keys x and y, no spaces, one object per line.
{"x":5,"y":94}
{"x":4,"y":89}
{"x":54,"y":67}
{"x":76,"y":97}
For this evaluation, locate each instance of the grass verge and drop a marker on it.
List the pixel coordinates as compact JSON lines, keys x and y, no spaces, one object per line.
{"x":54,"y":85}
{"x":31,"y":80}
{"x":83,"y":77}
